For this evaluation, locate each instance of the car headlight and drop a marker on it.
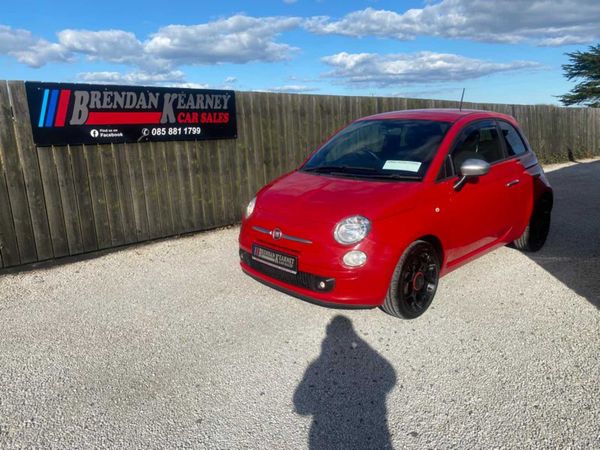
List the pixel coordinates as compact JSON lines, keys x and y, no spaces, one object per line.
{"x":250,"y":207}
{"x":352,"y":230}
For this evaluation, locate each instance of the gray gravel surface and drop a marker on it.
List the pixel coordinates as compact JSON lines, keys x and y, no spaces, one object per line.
{"x":168,"y":345}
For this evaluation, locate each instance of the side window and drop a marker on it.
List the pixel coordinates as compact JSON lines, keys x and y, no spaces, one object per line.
{"x":478,"y":141}
{"x":514,"y":143}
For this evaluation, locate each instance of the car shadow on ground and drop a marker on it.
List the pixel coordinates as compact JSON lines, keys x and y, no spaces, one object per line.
{"x":572,"y":251}
{"x":344,"y":390}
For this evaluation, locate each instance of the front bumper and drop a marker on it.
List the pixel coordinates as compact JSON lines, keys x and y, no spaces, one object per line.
{"x":320,"y":277}
{"x":297,"y":294}
{"x":307,"y":281}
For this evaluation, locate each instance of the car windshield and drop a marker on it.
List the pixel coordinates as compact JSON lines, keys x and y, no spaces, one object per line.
{"x":381,"y":149}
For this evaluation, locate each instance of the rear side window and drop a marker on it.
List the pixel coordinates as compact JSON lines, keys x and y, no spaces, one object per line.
{"x":514,"y":143}
{"x":478,"y":141}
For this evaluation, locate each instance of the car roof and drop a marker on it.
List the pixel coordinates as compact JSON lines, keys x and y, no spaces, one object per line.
{"x":437,"y":114}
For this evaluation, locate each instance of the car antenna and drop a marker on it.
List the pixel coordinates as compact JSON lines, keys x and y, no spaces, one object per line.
{"x":461,"y":100}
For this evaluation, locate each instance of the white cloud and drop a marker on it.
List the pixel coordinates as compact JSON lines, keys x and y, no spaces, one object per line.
{"x":15,"y":39}
{"x":370,"y":69}
{"x":293,"y":89}
{"x":28,"y":49}
{"x":107,"y":45}
{"x":138,"y":77}
{"x":238,"y":39}
{"x":41,"y":53}
{"x":544,"y":22}
{"x":429,"y":93}
{"x":565,"y":40}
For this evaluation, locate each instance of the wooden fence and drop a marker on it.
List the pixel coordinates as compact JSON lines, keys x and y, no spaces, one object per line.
{"x":59,"y":201}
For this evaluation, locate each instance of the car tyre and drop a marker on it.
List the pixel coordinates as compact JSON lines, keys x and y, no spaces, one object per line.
{"x":536,"y":232}
{"x":414,"y":281}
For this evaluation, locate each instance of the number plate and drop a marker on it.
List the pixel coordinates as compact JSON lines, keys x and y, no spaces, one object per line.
{"x":282,"y":261}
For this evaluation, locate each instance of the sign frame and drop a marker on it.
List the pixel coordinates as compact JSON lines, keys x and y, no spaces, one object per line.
{"x":77,"y":113}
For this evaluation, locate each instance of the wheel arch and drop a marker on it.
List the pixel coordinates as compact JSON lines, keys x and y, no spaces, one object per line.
{"x":545,"y":201}
{"x":437,"y":245}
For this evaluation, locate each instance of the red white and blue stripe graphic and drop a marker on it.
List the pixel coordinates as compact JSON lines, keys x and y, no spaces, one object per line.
{"x":54,"y":108}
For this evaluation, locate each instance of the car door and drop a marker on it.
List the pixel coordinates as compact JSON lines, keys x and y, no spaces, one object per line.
{"x":476,"y":213}
{"x":520,"y":185}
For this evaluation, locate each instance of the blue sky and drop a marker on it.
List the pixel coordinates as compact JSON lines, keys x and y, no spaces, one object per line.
{"x":505,"y":52}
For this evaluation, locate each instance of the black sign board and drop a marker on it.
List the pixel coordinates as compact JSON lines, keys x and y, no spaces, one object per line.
{"x":65,"y":113}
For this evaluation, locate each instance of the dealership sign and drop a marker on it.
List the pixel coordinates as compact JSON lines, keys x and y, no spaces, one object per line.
{"x":64,"y":113}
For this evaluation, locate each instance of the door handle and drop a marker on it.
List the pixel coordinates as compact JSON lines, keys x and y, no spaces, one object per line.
{"x":513,"y":182}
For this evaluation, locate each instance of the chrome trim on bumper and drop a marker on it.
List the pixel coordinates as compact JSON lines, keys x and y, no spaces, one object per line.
{"x":283,"y":235}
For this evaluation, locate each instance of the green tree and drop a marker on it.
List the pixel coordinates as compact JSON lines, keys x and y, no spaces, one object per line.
{"x":584,"y":66}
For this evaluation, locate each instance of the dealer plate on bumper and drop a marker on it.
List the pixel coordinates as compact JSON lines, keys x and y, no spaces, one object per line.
{"x":273,"y":258}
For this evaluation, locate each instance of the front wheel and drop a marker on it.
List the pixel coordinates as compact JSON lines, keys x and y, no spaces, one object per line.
{"x":414,"y":281}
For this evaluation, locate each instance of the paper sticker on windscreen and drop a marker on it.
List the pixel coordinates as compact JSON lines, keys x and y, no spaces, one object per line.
{"x":406,"y":166}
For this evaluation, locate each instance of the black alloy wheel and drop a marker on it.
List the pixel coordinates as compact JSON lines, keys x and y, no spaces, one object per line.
{"x":414,"y":281}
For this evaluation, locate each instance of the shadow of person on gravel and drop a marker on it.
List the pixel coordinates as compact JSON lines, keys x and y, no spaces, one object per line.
{"x":345,"y":391}
{"x":572,"y":251}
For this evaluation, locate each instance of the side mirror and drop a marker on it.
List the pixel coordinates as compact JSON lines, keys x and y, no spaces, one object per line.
{"x":471,"y":168}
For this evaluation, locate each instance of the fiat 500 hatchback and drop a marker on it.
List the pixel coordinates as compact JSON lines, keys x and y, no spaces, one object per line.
{"x":393,"y":202}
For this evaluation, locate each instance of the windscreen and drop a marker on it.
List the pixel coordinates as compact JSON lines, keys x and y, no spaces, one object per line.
{"x":393,"y":149}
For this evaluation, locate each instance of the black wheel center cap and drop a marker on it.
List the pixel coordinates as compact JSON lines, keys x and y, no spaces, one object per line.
{"x":418,"y":281}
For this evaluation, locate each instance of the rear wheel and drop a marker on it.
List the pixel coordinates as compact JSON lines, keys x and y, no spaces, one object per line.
{"x":414,"y":281}
{"x":534,"y":236}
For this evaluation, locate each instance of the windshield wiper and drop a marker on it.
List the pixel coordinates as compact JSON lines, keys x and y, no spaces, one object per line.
{"x":345,"y":169}
{"x":362,"y":172}
{"x":392,"y":176}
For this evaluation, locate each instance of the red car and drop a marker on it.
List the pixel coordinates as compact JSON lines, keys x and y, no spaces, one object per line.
{"x":393,"y":202}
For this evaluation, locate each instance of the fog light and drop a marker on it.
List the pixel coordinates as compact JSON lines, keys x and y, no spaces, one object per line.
{"x":355,"y":258}
{"x":322,"y":285}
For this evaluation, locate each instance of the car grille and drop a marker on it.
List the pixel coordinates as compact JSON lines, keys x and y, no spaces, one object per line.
{"x":300,"y":279}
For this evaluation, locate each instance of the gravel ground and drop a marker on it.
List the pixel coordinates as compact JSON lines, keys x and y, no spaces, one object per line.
{"x":169,"y":345}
